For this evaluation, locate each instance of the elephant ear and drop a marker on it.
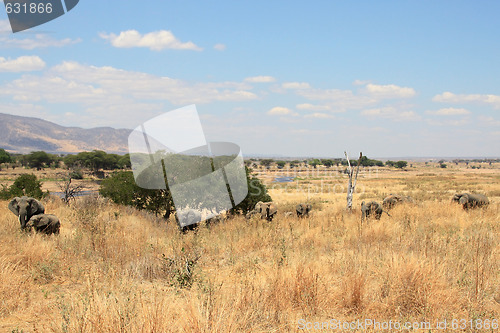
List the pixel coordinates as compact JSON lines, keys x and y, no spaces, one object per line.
{"x":36,"y":206}
{"x":464,"y":199}
{"x":14,"y":205}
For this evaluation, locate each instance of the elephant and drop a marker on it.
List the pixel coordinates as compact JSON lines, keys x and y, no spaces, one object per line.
{"x":44,"y":223}
{"x":370,"y":208}
{"x":214,"y":220}
{"x":188,"y":219}
{"x":252,"y":213}
{"x":303,"y":210}
{"x":471,"y":200}
{"x":25,"y":207}
{"x":267,"y":210}
{"x":395,"y":199}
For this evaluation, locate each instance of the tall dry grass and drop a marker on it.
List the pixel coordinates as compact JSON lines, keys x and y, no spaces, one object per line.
{"x":114,"y":269}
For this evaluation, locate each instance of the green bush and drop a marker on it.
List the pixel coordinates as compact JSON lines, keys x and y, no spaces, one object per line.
{"x":5,"y":156}
{"x":256,"y":192}
{"x":122,"y":189}
{"x":27,"y":185}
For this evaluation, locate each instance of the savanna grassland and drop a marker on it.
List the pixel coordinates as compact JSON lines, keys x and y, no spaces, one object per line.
{"x":115,"y":269}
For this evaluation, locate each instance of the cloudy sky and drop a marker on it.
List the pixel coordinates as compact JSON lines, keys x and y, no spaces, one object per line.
{"x":294,"y":78}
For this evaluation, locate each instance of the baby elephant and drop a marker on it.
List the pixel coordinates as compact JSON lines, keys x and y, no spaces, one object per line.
{"x":468,"y":200}
{"x":303,"y":210}
{"x":372,"y":208}
{"x":45,"y":223}
{"x":395,"y":199}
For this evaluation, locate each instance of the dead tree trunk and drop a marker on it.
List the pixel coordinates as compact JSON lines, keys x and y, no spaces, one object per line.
{"x":352,"y":184}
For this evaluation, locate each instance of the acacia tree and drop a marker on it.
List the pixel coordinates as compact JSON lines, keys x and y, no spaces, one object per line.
{"x":122,"y":189}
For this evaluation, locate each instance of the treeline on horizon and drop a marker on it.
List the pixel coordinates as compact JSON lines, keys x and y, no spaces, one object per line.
{"x":100,"y":160}
{"x":94,"y":160}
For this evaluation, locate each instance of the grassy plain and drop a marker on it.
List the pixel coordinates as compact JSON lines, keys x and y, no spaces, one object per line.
{"x":114,"y":269}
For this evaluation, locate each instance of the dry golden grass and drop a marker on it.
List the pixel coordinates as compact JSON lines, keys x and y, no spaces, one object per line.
{"x":113,"y":269}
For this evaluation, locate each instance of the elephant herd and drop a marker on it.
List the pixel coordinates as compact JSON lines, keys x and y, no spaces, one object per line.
{"x":268,"y":210}
{"x":31,"y":214}
{"x":375,"y":209}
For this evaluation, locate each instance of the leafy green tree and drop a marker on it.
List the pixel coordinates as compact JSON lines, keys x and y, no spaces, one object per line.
{"x":5,"y":157}
{"x":71,"y":161}
{"x":124,"y":162}
{"x":366,"y":162}
{"x":401,"y":164}
{"x":266,"y":162}
{"x":390,"y":163}
{"x":27,"y":185}
{"x":314,"y":162}
{"x":256,"y":192}
{"x":280,"y":164}
{"x":122,"y":189}
{"x":38,"y":159}
{"x":326,"y":162}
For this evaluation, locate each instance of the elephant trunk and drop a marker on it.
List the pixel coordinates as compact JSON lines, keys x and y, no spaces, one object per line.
{"x":23,"y":219}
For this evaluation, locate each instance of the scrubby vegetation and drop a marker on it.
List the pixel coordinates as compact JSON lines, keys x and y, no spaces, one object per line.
{"x":118,"y":269}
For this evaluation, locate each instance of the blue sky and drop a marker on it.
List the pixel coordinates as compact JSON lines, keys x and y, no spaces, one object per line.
{"x":294,"y":78}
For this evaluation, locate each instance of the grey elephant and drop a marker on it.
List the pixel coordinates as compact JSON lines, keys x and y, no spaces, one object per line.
{"x":267,"y":210}
{"x":214,"y":220}
{"x":188,"y":219}
{"x":471,"y":200}
{"x":252,"y":213}
{"x":372,"y":208}
{"x":25,"y":207}
{"x":44,"y":223}
{"x":303,"y":210}
{"x":396,"y":199}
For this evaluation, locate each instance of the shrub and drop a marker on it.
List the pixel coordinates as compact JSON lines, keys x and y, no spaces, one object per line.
{"x":256,"y":192}
{"x":27,"y":185}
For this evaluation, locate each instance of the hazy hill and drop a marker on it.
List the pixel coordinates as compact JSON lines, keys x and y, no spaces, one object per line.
{"x":25,"y":134}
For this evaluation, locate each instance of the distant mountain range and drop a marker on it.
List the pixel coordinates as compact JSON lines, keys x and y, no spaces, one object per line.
{"x":26,"y":134}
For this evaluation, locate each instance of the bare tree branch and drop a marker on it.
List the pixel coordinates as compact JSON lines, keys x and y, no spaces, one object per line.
{"x":68,"y":189}
{"x":351,"y":186}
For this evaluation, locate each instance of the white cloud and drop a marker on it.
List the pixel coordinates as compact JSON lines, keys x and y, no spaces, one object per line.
{"x":39,"y":41}
{"x":488,"y":121}
{"x":220,"y":47}
{"x":156,"y":40}
{"x":21,"y":64}
{"x":449,"y":112}
{"x":337,"y":99}
{"x":102,"y":90}
{"x":319,"y":115}
{"x":5,"y":26}
{"x":360,"y":82}
{"x":311,"y":107}
{"x":448,"y":97}
{"x":260,"y":79}
{"x":391,"y":113}
{"x":296,"y":85}
{"x":449,"y":122}
{"x":389,"y":91}
{"x":279,"y":111}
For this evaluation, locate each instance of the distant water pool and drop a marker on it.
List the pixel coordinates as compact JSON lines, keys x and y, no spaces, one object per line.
{"x":283,"y":179}
{"x":79,"y":194}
